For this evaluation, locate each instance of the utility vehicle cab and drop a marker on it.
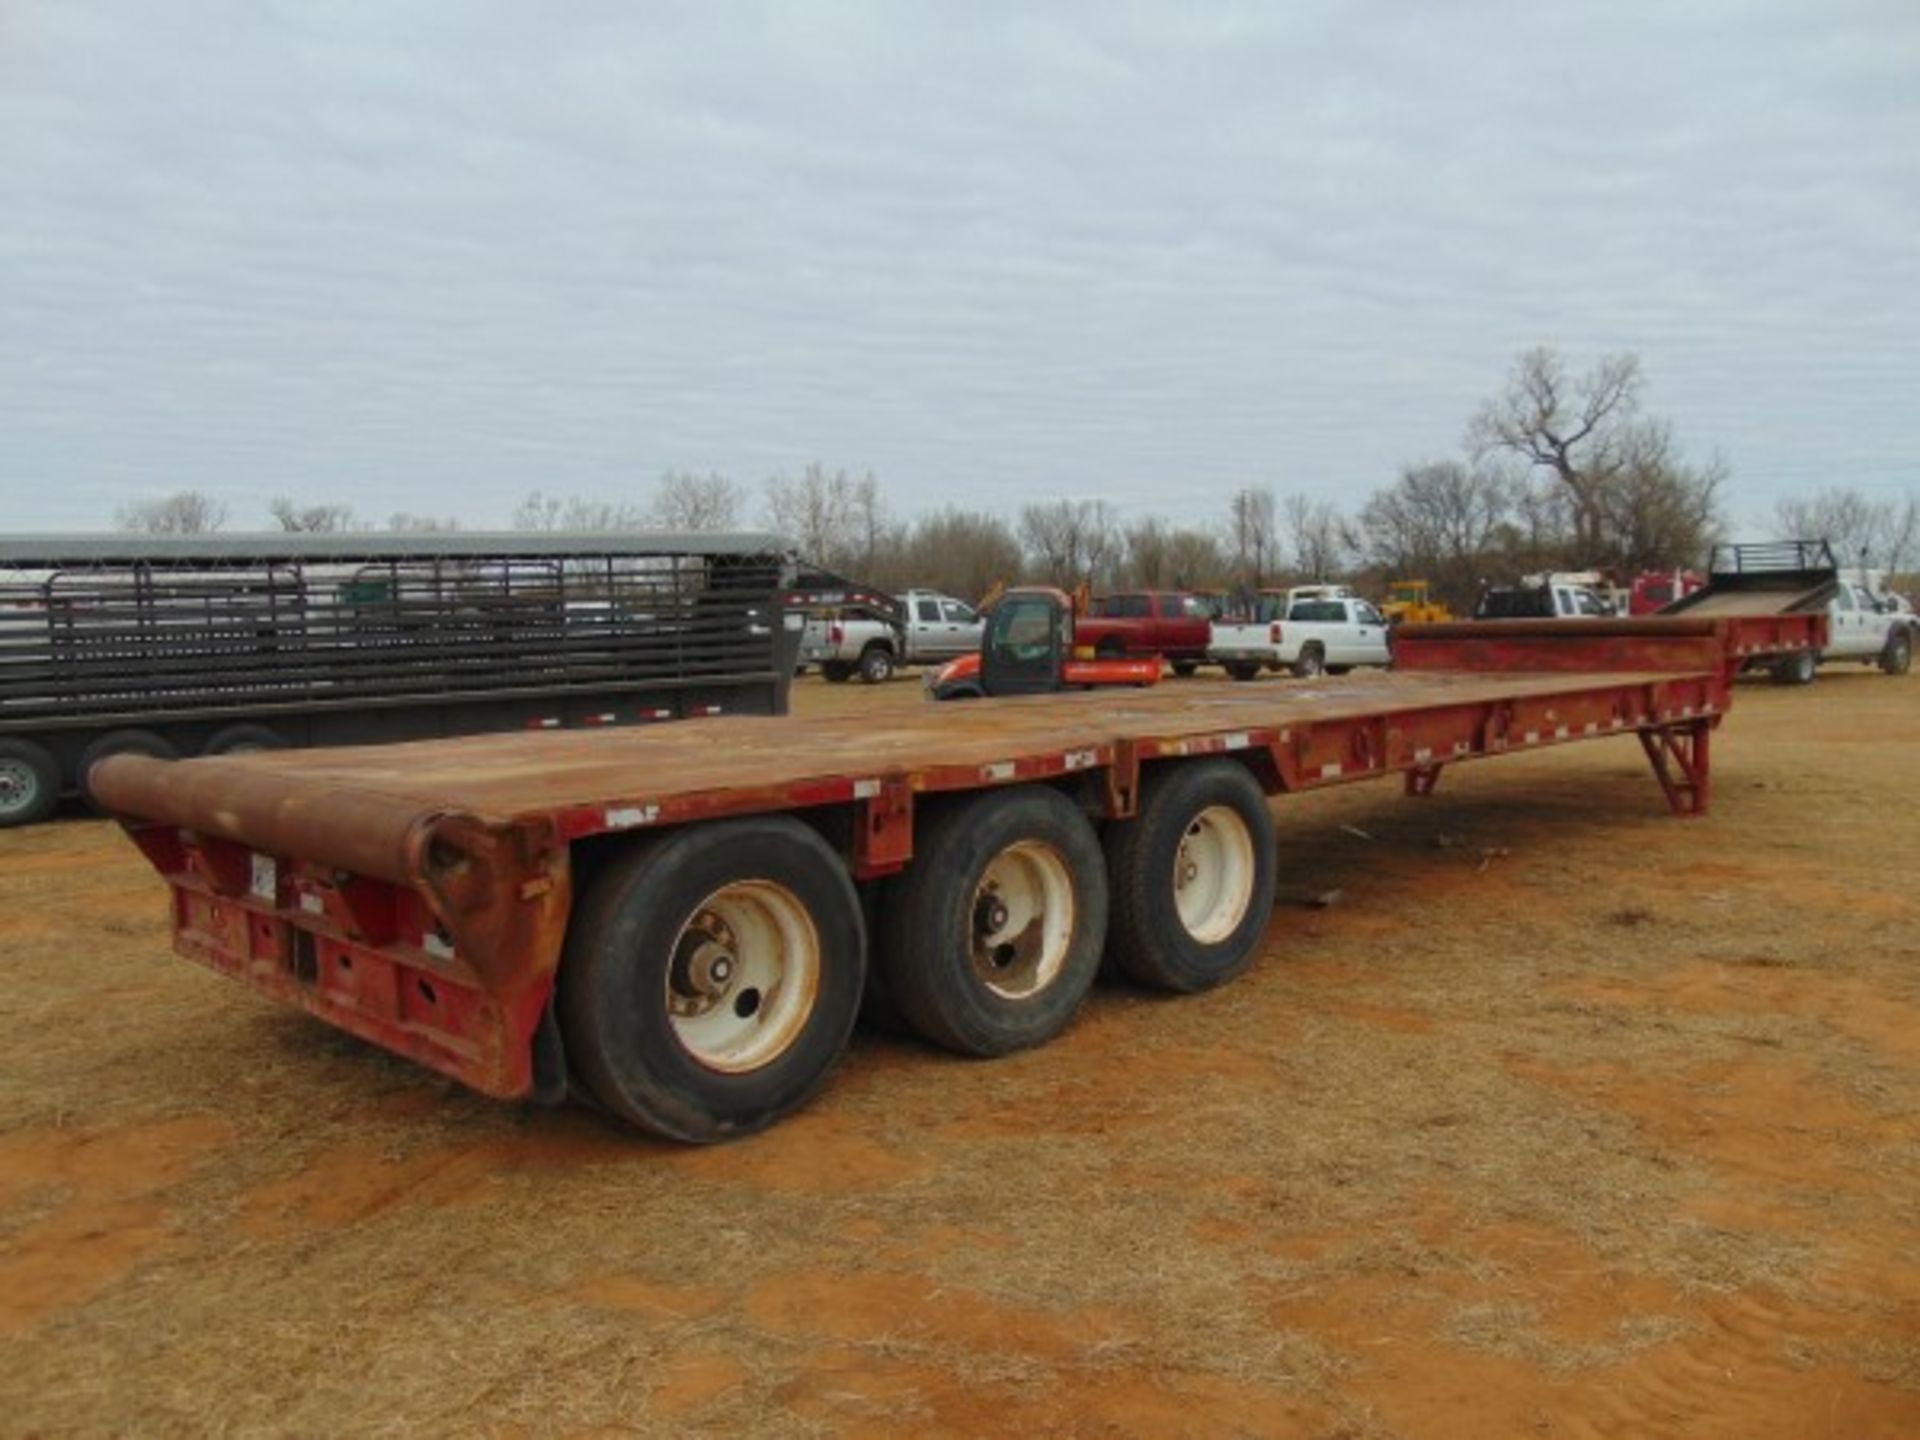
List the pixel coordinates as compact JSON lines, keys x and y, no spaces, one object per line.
{"x":1027,"y":648}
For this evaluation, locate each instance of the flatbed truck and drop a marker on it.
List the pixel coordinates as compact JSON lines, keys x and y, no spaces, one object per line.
{"x":680,"y":924}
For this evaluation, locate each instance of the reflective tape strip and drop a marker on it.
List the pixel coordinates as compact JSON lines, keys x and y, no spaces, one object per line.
{"x":627,"y":816}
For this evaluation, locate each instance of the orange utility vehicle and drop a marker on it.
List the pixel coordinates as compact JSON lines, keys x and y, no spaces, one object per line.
{"x":1080,"y":666}
{"x":680,"y":922}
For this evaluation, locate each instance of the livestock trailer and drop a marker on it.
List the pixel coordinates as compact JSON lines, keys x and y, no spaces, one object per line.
{"x":208,"y":645}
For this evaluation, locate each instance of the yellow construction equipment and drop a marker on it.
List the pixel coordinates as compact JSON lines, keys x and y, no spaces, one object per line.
{"x":1410,"y":602}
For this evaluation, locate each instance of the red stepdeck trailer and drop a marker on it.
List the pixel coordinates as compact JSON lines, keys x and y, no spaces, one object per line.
{"x":676,"y":922}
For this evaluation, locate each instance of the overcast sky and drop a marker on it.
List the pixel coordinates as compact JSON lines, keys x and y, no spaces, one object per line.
{"x":430,"y":256}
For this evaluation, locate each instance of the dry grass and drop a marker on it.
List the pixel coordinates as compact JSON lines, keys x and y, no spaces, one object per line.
{"x":1563,"y":1096}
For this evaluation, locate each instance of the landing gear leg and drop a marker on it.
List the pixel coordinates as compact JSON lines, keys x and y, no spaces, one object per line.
{"x":1681,"y":760}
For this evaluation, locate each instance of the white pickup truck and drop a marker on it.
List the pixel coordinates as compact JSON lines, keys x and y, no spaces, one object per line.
{"x":1864,"y":624}
{"x":933,"y":629}
{"x":1308,"y":635}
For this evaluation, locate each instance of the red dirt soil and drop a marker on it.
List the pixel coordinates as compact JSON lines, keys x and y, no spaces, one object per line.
{"x":1568,"y":1118}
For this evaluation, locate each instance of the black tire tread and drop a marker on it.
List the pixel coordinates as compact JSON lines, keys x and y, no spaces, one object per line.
{"x":47,"y":771}
{"x":1143,"y":918}
{"x":922,"y":989}
{"x":638,"y":1085}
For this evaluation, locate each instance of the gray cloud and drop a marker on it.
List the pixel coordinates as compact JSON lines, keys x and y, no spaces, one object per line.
{"x":431,"y":256}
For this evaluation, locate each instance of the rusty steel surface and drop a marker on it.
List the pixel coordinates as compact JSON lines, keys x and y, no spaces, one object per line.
{"x":362,"y":807}
{"x":1701,"y":639}
{"x":418,"y":895}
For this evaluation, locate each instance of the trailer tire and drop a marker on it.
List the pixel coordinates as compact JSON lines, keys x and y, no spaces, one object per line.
{"x":658,"y":1032}
{"x":29,"y":782}
{"x":1897,"y":658}
{"x":119,"y":742}
{"x":1192,"y":877}
{"x":1243,"y":669}
{"x":956,"y":959}
{"x":1796,"y":669}
{"x":244,"y":739}
{"x":1185,"y":668}
{"x":1311,"y":662}
{"x":836,"y":672}
{"x":876,"y":664}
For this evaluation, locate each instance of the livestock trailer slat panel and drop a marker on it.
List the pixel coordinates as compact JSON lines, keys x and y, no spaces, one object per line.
{"x":202,"y":645}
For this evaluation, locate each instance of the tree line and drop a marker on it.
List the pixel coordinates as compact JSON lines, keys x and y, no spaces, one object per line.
{"x":1555,"y":471}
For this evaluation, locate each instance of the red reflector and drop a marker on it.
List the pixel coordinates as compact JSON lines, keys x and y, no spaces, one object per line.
{"x":1273,"y":632}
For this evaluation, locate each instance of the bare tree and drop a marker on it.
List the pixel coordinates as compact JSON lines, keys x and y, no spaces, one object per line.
{"x":1628,"y":500}
{"x":1195,"y":561}
{"x":836,"y":519}
{"x":540,"y":511}
{"x":312,"y":519}
{"x":1145,"y":546}
{"x":1071,"y":540}
{"x":402,"y":523}
{"x":1575,"y":429}
{"x":1440,"y":522}
{"x":961,"y":552}
{"x":686,"y":501}
{"x":1884,"y":534}
{"x":1660,"y":513}
{"x":1319,"y":537}
{"x":187,"y":512}
{"x":1255,"y":534}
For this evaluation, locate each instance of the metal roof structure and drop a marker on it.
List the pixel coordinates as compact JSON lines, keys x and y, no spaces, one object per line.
{"x":268,"y":547}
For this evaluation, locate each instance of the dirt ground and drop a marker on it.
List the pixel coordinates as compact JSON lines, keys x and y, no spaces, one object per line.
{"x":1567,"y":1118}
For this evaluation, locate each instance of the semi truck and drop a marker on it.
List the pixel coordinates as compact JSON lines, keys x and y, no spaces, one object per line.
{"x":681,"y":923}
{"x":213,"y":645}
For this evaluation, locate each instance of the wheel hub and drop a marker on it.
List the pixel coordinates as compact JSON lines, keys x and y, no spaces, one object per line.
{"x":16,"y":785}
{"x":1022,"y":920}
{"x":1213,"y":874}
{"x":743,"y":976}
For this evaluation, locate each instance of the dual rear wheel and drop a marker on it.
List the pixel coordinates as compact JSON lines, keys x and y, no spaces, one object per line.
{"x":712,"y":975}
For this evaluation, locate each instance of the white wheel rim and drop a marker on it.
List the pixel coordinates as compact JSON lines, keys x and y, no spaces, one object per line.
{"x":1213,"y":874}
{"x":1022,"y":920}
{"x":743,"y":977}
{"x":19,"y":787}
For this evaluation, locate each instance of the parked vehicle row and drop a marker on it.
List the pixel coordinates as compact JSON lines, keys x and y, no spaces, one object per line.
{"x":1310,"y":630}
